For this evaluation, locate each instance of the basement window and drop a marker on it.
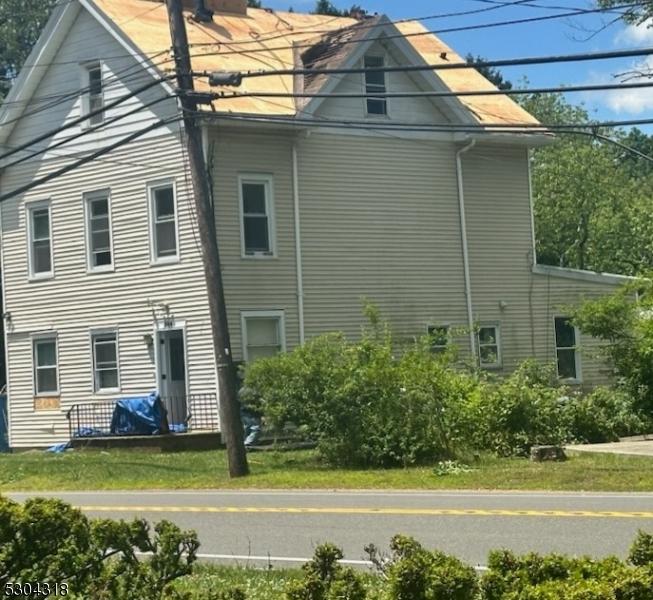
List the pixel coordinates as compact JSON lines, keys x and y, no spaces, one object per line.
{"x":263,"y":334}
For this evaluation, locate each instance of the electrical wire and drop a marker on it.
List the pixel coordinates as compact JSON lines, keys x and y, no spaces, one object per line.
{"x":439,"y":94}
{"x":415,"y":34}
{"x":510,"y":62}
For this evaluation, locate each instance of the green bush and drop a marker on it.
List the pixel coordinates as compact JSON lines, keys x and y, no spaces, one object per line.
{"x":624,"y":322}
{"x":325,"y":579}
{"x":604,"y":415}
{"x":419,"y":574}
{"x":364,"y":406}
{"x":48,"y":541}
{"x":510,"y":416}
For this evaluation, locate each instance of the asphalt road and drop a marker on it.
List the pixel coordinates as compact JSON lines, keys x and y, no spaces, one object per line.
{"x":288,"y":525}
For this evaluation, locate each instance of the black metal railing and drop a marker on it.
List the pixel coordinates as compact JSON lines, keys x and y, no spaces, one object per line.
{"x":192,"y":412}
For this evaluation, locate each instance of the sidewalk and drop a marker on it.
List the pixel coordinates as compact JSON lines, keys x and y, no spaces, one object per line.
{"x":640,"y":446}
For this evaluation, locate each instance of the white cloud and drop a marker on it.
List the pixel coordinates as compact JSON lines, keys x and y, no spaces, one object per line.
{"x":622,"y":102}
{"x":635,"y":35}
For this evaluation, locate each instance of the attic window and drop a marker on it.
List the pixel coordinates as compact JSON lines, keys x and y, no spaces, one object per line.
{"x":375,"y":84}
{"x":93,"y":99}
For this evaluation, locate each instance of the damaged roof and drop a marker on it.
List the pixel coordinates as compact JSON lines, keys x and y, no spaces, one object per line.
{"x":264,"y":39}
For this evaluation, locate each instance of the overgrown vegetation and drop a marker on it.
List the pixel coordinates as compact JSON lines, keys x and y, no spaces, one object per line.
{"x":50,"y":542}
{"x":372,"y":403}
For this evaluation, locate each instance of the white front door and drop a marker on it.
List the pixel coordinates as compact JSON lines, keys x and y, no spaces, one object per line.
{"x":171,"y":359}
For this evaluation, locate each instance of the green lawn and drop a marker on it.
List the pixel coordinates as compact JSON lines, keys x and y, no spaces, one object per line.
{"x":120,"y":470}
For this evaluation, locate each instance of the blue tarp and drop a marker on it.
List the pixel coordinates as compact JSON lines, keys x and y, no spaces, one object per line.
{"x":139,"y":416}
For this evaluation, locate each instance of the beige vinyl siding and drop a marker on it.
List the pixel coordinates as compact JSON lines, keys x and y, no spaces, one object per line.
{"x":501,"y":256}
{"x":74,"y":302}
{"x":255,"y":283}
{"x":412,"y":110}
{"x":499,"y":236}
{"x":379,"y":218}
{"x":551,"y":295}
{"x":57,"y":100}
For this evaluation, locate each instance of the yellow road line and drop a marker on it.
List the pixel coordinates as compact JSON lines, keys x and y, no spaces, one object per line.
{"x":456,"y":512}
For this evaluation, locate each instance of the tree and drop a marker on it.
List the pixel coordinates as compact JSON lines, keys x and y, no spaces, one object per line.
{"x":590,"y":211}
{"x":21,"y":22}
{"x":493,"y":75}
{"x":634,"y":13}
{"x":253,"y":3}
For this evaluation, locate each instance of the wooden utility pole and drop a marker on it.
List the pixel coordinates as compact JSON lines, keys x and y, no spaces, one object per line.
{"x":230,"y":421}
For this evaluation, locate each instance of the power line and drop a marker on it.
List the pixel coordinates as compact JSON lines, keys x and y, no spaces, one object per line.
{"x":516,"y":128}
{"x":82,"y":133}
{"x":88,"y":158}
{"x":439,"y":94}
{"x":85,"y":117}
{"x":575,"y":13}
{"x":510,"y":62}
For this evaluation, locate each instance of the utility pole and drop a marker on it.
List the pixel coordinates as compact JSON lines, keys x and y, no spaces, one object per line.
{"x":231,"y":424}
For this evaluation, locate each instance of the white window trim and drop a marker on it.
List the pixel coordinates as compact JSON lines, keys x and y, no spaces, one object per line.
{"x":577,"y":358}
{"x":262,"y":314}
{"x":85,"y":82}
{"x":92,"y":334}
{"x":45,"y":337}
{"x":499,"y":363}
{"x":29,"y":208}
{"x":448,"y":338}
{"x":367,"y":114}
{"x":88,"y":197}
{"x":151,"y":186}
{"x":268,"y":180}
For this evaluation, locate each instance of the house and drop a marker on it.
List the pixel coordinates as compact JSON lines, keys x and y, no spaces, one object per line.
{"x":418,"y":202}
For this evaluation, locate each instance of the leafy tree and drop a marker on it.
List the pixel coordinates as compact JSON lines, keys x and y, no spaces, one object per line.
{"x":590,"y":212}
{"x":624,"y":321}
{"x":21,"y":22}
{"x":491,"y":74}
{"x":325,"y":7}
{"x":253,"y":3}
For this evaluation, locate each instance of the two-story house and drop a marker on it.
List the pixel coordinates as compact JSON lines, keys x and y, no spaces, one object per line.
{"x":326,"y":188}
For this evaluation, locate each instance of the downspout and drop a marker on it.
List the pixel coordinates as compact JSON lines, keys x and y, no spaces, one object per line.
{"x":463,"y":231}
{"x":530,"y":199}
{"x":298,"y":243}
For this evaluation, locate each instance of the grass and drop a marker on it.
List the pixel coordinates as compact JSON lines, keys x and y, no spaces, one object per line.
{"x":120,"y":470}
{"x":258,"y":584}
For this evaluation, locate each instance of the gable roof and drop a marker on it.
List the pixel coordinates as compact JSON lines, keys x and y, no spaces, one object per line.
{"x":269,"y":40}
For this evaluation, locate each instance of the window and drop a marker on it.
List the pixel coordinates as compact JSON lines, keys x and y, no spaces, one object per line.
{"x":256,"y":208}
{"x":98,"y":232}
{"x":439,"y":335}
{"x":40,"y":241}
{"x":105,"y":361}
{"x":46,"y":368}
{"x":567,"y":358}
{"x":93,"y":98}
{"x":163,"y":213}
{"x":489,"y":346}
{"x":375,"y":84}
{"x":263,"y":334}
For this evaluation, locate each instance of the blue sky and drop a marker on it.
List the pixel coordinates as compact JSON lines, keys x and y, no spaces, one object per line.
{"x":585,"y":33}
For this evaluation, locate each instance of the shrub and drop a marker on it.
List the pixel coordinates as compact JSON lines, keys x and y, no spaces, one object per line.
{"x":604,"y":415}
{"x":325,"y":579}
{"x":415,"y":573}
{"x":508,"y":417}
{"x":48,"y":541}
{"x":624,"y":322}
{"x":362,"y":405}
